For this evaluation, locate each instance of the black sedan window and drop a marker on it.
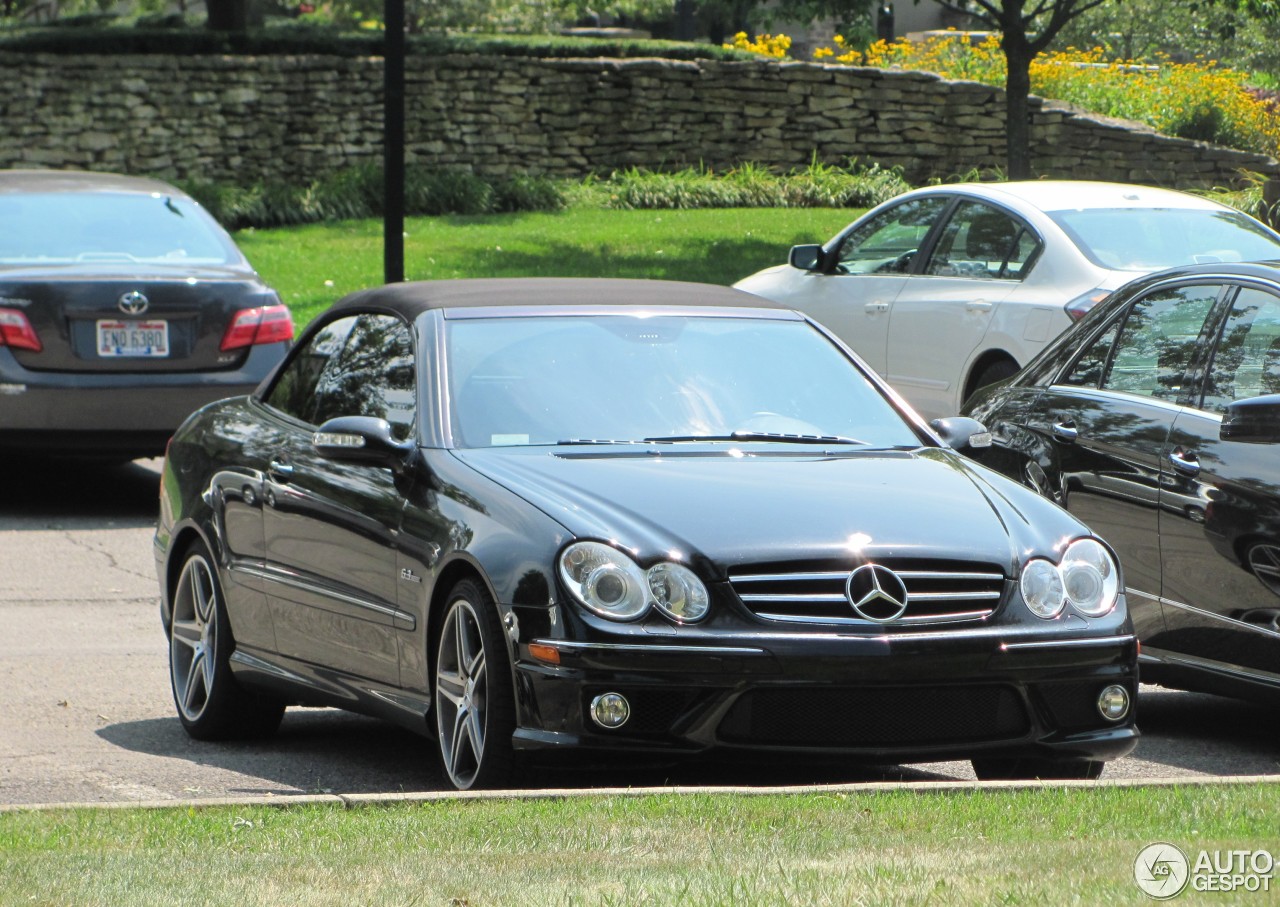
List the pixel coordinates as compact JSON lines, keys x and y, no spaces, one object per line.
{"x":1159,"y":340}
{"x":543,"y":380}
{"x":1247,"y":361}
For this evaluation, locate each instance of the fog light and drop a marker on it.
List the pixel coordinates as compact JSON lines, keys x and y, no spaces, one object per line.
{"x":1113,"y":702}
{"x":610,"y":710}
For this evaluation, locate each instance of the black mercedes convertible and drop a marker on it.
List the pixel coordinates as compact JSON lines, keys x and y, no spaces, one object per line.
{"x":642,"y":517}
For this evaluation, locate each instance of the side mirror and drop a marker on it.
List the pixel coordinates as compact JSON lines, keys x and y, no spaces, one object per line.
{"x":806,"y":258}
{"x":1256,"y":420}
{"x":962,"y":433}
{"x":360,"y":439}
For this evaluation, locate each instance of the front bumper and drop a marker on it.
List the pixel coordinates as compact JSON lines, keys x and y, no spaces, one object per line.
{"x":912,"y":697}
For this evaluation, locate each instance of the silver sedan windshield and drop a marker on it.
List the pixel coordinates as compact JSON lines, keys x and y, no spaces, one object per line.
{"x":1148,"y":239}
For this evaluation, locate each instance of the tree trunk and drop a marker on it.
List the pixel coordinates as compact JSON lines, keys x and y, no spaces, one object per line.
{"x":1017,"y":109}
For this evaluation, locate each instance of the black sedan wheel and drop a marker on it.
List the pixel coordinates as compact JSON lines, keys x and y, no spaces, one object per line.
{"x":475,"y":709}
{"x":1043,"y":769}
{"x":211,"y":705}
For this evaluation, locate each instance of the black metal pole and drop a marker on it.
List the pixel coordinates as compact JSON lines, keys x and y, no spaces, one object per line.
{"x":393,"y":144}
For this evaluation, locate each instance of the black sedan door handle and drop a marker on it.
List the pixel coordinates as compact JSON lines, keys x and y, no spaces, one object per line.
{"x":280,"y":471}
{"x":1065,"y":431}
{"x":1185,"y":461}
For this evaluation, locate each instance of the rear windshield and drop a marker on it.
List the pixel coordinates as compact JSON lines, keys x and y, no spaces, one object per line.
{"x":1149,"y":239}
{"x":69,"y":227}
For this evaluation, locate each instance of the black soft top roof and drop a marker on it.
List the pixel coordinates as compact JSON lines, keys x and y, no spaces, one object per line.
{"x":413,"y":298}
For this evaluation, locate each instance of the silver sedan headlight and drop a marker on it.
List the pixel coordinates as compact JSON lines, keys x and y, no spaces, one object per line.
{"x":1087,"y":578}
{"x":612,"y":585}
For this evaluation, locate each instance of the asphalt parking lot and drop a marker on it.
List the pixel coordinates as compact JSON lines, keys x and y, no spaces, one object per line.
{"x":88,"y":714}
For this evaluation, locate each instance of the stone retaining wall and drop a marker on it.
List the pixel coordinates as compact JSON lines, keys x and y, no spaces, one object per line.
{"x":243,"y":119}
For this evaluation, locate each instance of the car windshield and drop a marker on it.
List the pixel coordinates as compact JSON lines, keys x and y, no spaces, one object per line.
{"x":586,"y":379}
{"x":1148,"y":239}
{"x":69,"y":228}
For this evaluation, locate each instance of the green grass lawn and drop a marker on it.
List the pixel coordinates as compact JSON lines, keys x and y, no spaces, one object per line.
{"x":315,"y":265}
{"x":998,"y":846}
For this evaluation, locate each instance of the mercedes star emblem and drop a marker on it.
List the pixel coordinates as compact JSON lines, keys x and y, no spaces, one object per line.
{"x":133,"y":303}
{"x":877,"y":593}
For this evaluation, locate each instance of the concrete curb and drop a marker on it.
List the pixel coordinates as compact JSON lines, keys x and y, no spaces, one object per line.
{"x":351,"y":801}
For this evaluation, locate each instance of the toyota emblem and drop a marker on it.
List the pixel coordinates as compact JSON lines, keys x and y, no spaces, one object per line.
{"x":877,"y":593}
{"x":133,"y":303}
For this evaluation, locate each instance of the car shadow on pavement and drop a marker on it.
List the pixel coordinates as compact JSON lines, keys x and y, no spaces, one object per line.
{"x":331,"y":751}
{"x":1188,"y":730}
{"x":35,"y":491}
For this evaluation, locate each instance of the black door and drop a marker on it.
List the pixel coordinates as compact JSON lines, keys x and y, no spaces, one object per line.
{"x":331,"y":528}
{"x":1105,"y":423}
{"x":1220,"y":508}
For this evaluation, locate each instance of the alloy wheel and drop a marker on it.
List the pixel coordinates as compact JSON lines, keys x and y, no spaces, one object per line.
{"x":193,"y":638}
{"x":462,"y":694}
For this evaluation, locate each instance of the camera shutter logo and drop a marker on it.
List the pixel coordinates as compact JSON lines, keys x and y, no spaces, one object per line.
{"x":133,"y":303}
{"x":1161,"y":871}
{"x":876,"y":593}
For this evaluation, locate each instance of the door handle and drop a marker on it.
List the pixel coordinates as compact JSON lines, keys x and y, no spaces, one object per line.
{"x":1185,"y":461}
{"x":280,"y":471}
{"x":1065,"y":431}
{"x":877,"y":306}
{"x":978,"y":305}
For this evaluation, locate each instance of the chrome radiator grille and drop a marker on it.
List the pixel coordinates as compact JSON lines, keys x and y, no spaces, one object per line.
{"x":937,"y":592}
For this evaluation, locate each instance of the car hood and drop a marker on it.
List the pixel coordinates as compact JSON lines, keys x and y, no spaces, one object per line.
{"x":777,"y":505}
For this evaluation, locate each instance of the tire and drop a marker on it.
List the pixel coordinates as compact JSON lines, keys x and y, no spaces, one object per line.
{"x":474,"y":702}
{"x":211,"y":704}
{"x":990,"y":374}
{"x":1042,"y":769}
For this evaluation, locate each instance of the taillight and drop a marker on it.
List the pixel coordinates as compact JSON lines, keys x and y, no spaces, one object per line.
{"x":265,"y":324}
{"x":1078,"y":307}
{"x":16,"y":331}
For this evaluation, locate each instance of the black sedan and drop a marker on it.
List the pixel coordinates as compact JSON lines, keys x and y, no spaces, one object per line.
{"x":641,"y":517}
{"x":1156,"y":420}
{"x":124,"y":307}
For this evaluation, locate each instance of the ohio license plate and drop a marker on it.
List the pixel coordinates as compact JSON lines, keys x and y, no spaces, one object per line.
{"x":133,"y":338}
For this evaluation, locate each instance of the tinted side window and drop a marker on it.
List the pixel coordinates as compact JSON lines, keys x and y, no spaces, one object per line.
{"x":294,"y":393}
{"x":373,"y":376}
{"x":1158,"y":341}
{"x":1087,"y":372}
{"x":983,"y":243}
{"x":887,"y":243}
{"x":1247,"y":361}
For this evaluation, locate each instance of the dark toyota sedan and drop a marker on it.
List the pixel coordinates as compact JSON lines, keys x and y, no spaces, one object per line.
{"x":642,"y":517}
{"x":1156,"y":420}
{"x":124,"y":307}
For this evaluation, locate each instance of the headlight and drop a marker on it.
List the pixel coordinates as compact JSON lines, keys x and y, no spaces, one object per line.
{"x":605,"y":580}
{"x":613,"y":586}
{"x":1090,"y":577}
{"x":1087,"y":578}
{"x":677,"y":592}
{"x":1042,"y":589}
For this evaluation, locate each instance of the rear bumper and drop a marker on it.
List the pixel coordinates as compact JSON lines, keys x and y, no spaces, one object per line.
{"x":782,"y":696}
{"x":136,"y":413}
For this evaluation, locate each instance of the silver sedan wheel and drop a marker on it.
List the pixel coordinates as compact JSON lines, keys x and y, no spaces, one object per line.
{"x":193,"y":638}
{"x":462,"y":691}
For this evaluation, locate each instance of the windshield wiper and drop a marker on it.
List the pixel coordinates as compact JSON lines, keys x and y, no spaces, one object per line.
{"x":780,"y":437}
{"x":571,"y":441}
